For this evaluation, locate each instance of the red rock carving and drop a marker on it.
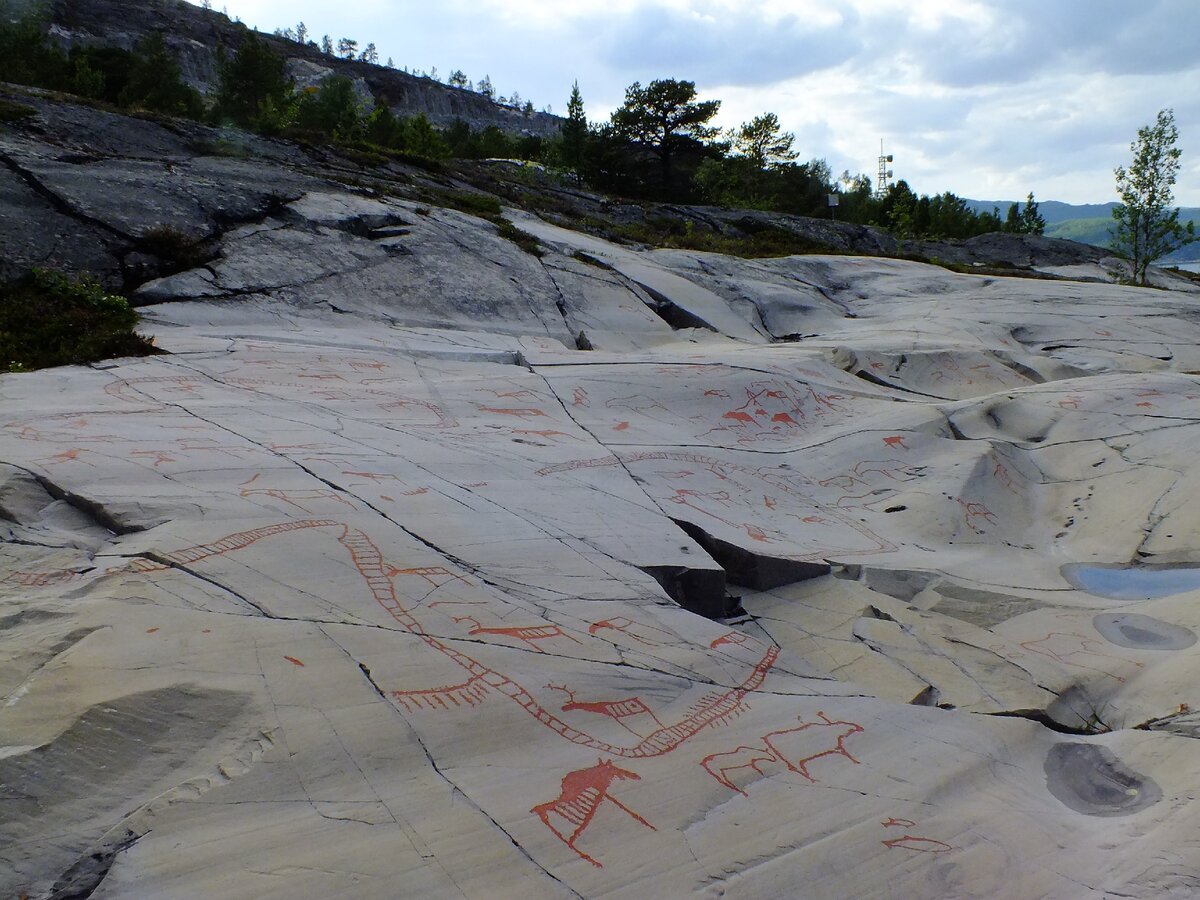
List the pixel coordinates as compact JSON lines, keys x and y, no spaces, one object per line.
{"x":581,"y":794}
{"x":159,"y":456}
{"x":71,"y":455}
{"x":710,"y":710}
{"x":432,"y":574}
{"x":529,"y":634}
{"x":976,"y":515}
{"x":635,"y":631}
{"x":43,"y":579}
{"x":1068,"y":648}
{"x":514,"y":395}
{"x":293,"y":498}
{"x":912,"y":841}
{"x":749,"y":757}
{"x":783,"y":486}
{"x":735,"y":638}
{"x":1004,"y":476}
{"x":521,"y":413}
{"x":471,"y":692}
{"x":374,"y":476}
{"x":617,"y":710}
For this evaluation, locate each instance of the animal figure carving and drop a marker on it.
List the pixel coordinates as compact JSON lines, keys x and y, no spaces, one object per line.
{"x":1072,"y":649}
{"x":635,"y":631}
{"x":528,"y":634}
{"x":617,"y":710}
{"x":379,"y":579}
{"x":775,"y":749}
{"x":911,"y":841}
{"x":581,"y":795}
{"x":733,"y":638}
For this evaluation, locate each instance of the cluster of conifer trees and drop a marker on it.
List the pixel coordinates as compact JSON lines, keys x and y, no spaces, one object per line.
{"x":660,"y":144}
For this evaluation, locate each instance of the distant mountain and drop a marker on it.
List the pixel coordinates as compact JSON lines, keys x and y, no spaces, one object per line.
{"x":1088,"y":223}
{"x":1053,"y":211}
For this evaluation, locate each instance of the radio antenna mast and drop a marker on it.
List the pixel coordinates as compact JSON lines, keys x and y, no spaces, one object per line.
{"x":885,"y":174}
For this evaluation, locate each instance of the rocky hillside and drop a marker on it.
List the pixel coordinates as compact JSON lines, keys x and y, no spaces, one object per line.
{"x":131,"y":199}
{"x":196,"y":37}
{"x":462,"y":544}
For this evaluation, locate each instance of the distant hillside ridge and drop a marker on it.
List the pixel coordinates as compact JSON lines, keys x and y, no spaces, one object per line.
{"x":1053,"y":211}
{"x":196,"y":36}
{"x":1089,"y":223}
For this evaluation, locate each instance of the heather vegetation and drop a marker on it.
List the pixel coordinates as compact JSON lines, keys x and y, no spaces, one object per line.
{"x":47,"y":319}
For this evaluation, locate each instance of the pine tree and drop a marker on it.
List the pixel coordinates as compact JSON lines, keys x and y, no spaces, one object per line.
{"x":254,"y":84}
{"x":1031,"y":220}
{"x":763,"y":141}
{"x":1012,"y":222}
{"x":665,"y":117}
{"x":574,"y":131}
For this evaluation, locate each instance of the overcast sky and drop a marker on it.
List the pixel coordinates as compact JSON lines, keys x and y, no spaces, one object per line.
{"x":989,"y":99}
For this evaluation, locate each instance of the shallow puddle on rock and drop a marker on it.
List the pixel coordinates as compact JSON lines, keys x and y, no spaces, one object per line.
{"x":1143,"y":632}
{"x":1132,"y":582}
{"x":1091,"y":780}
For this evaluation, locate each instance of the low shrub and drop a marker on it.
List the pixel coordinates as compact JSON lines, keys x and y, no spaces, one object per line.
{"x":48,"y":319}
{"x":522,"y":239}
{"x":483,"y":205}
{"x":765,"y":242}
{"x":15,"y":112}
{"x":179,"y":250}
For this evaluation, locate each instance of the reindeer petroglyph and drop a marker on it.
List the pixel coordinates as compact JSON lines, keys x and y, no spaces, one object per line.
{"x":826,"y":737}
{"x":581,"y":795}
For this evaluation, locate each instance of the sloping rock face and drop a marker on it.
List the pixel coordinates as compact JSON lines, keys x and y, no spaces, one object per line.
{"x":198,"y":37}
{"x":422,"y":565}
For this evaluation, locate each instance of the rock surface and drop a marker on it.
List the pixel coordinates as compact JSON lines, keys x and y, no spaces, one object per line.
{"x":423,"y":564}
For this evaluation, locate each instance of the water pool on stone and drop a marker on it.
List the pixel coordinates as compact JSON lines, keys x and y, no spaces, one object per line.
{"x":1132,"y":582}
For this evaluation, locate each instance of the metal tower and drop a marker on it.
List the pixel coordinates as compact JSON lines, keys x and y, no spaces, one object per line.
{"x":881,"y":182}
